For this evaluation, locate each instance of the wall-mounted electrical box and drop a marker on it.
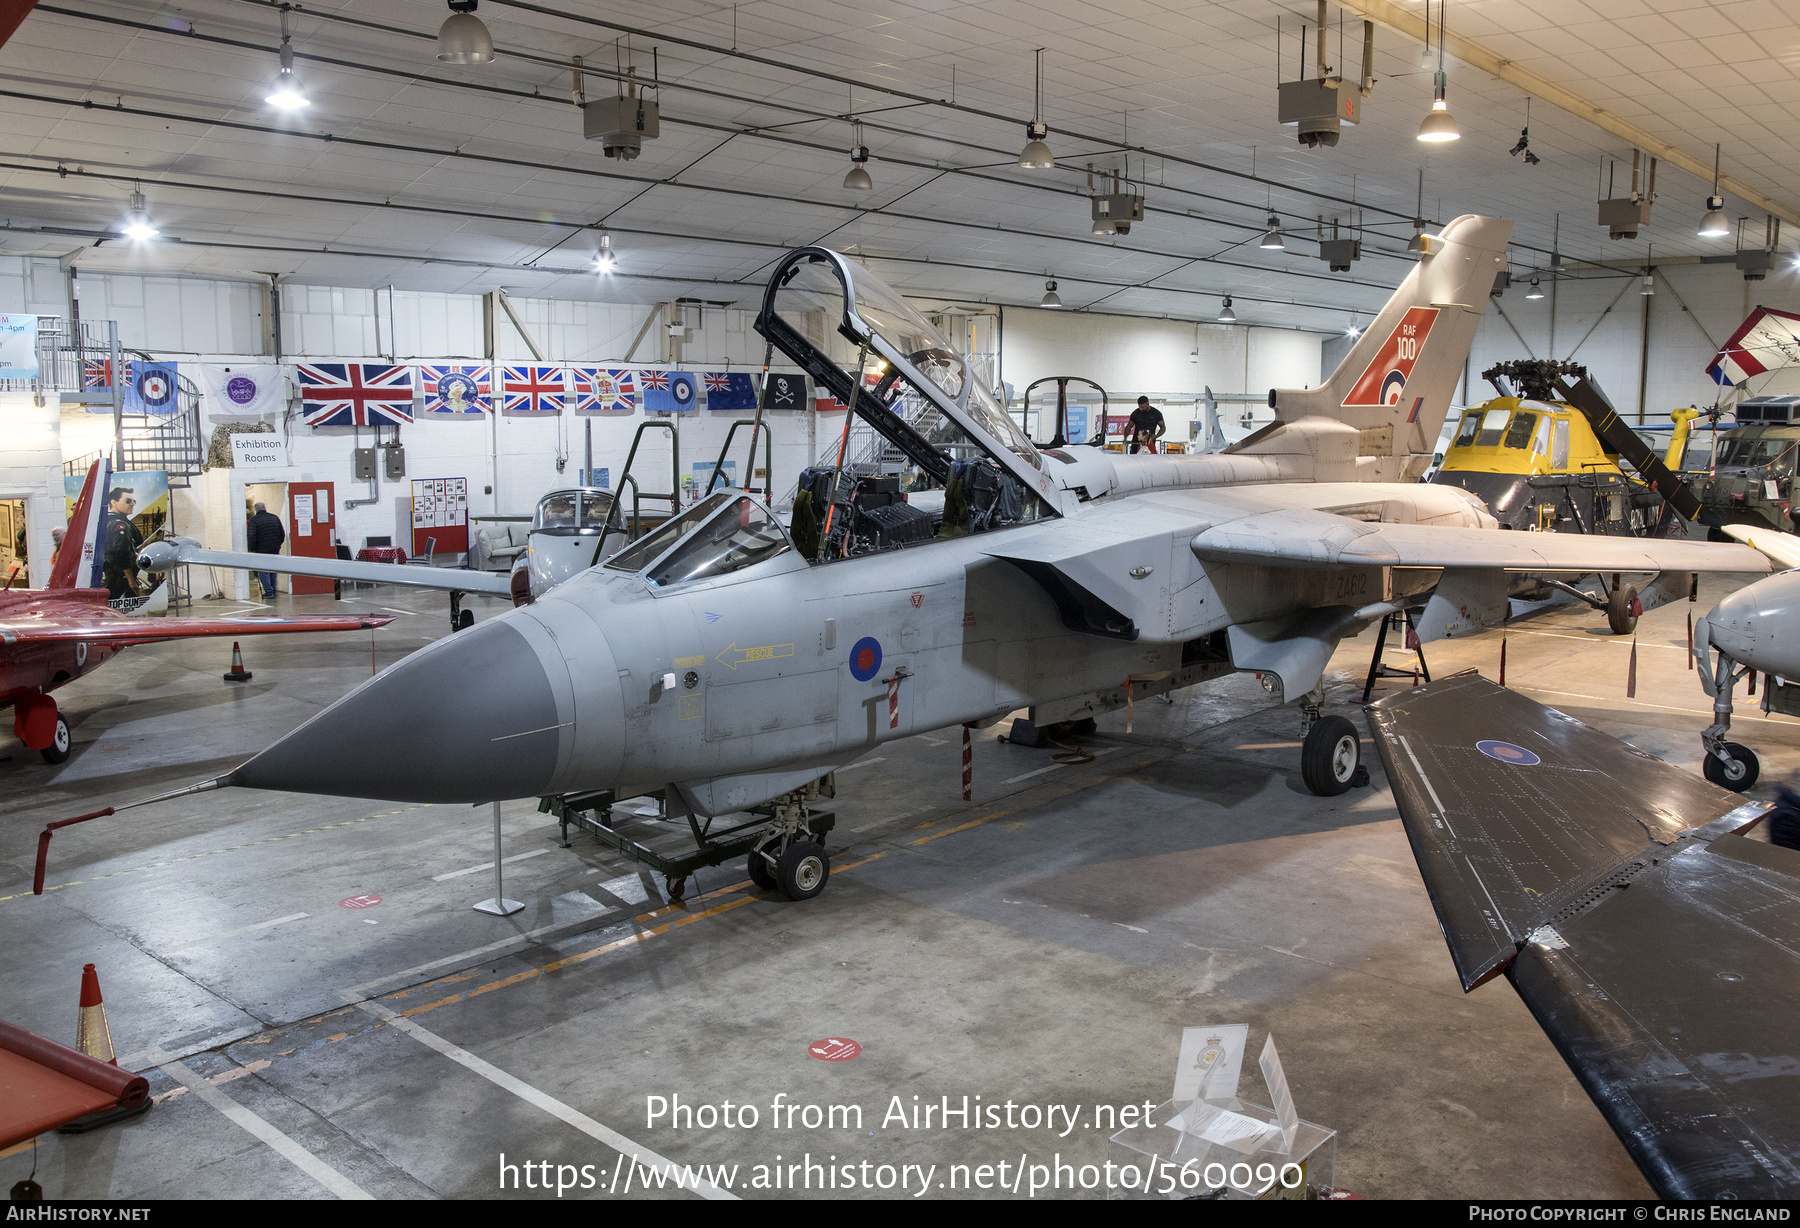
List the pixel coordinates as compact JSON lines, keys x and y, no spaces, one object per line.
{"x":365,"y":464}
{"x":394,"y":462}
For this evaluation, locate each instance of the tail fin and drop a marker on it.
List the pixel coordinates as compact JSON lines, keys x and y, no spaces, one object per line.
{"x":79,"y":561}
{"x":1396,"y":382}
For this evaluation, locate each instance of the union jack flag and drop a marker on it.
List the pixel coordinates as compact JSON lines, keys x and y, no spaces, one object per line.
{"x":599,"y":390}
{"x":355,"y":393}
{"x":657,"y":381}
{"x":532,"y":390}
{"x":96,"y":372}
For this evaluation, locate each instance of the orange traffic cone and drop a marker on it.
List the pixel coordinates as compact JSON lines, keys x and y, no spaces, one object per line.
{"x":92,"y":1036}
{"x":238,"y":672}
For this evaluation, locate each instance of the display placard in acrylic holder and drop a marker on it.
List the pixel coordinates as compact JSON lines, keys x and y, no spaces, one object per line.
{"x":1209,"y":1143}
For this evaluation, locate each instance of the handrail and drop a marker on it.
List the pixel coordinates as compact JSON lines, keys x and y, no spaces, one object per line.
{"x":674,"y":494}
{"x":768,"y":459}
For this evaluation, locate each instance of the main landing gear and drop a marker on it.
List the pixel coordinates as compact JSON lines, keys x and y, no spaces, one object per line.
{"x":41,"y":726}
{"x":1331,"y":755}
{"x":1728,"y":764}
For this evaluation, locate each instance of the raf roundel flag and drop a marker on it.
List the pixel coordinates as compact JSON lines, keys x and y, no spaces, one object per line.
{"x":669,"y":392}
{"x":151,"y":388}
{"x":729,"y":393}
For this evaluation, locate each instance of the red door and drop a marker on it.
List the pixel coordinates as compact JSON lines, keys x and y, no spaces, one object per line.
{"x":312,"y":520}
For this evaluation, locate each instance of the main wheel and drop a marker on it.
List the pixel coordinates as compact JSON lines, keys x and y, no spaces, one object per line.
{"x":465,"y":619}
{"x":1330,"y":756}
{"x":802,"y":869}
{"x":1622,"y":610}
{"x":58,"y":750}
{"x":760,"y":874}
{"x":1737,"y":774}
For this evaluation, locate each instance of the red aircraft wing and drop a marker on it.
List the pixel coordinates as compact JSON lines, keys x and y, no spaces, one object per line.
{"x":72,"y":623}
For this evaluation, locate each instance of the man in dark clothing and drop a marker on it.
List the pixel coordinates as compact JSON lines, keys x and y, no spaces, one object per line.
{"x":265,"y":535}
{"x":1146,"y":426}
{"x":118,"y":565}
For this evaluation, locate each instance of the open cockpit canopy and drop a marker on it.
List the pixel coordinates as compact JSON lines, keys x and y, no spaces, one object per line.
{"x":931,"y":421}
{"x":722,"y":533}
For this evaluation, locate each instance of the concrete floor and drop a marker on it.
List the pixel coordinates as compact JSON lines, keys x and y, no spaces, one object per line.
{"x":1045,"y":945}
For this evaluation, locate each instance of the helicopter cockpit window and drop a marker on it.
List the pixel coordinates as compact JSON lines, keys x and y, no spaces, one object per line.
{"x":1518,"y":433}
{"x":1493,"y":423}
{"x":1471,"y":425}
{"x":650,"y":547}
{"x":737,"y":536}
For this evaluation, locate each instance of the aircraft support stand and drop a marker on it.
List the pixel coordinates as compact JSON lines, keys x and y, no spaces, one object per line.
{"x":499,"y":906}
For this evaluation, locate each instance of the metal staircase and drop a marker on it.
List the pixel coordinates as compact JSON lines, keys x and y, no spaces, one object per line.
{"x":83,"y":362}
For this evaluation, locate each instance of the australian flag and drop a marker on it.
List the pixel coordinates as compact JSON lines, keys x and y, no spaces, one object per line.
{"x":456,"y":391}
{"x":532,"y":390}
{"x":729,"y":393}
{"x":355,"y":393}
{"x":784,"y":390}
{"x":669,"y":392}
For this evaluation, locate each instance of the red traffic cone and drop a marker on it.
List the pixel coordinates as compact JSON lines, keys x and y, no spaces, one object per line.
{"x":92,"y":1036}
{"x":238,"y":672}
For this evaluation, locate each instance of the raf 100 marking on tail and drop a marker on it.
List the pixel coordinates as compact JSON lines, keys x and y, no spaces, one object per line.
{"x":1383,"y":380}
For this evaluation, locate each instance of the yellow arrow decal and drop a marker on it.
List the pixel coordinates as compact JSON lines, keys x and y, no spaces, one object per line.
{"x":732,"y":656}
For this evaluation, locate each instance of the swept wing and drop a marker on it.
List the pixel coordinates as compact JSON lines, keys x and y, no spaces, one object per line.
{"x":1306,"y":537}
{"x":1657,"y":948}
{"x":160,"y":556}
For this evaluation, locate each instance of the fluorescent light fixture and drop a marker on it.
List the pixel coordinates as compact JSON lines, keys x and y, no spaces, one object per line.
{"x":1051,"y":298}
{"x":1226,"y":314}
{"x":1271,"y":242}
{"x":1536,"y":291}
{"x":463,"y":39}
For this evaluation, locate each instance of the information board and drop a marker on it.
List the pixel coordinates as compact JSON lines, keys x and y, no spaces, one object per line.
{"x":440,"y":510}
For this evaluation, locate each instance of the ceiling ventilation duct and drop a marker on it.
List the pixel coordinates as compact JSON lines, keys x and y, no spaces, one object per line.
{"x":1318,"y":106}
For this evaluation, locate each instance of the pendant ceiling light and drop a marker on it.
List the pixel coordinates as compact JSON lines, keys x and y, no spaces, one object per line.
{"x":1536,"y":291}
{"x":1353,"y":329}
{"x":137,"y":219}
{"x":858,"y":179}
{"x":1051,"y":298}
{"x":463,"y":39}
{"x":1036,"y":155}
{"x":1649,"y":276}
{"x":286,"y":94}
{"x":1271,"y":241}
{"x":1420,"y":243}
{"x":1226,"y":314}
{"x":1715,"y":224}
{"x":1437,"y":125}
{"x":605,"y":259}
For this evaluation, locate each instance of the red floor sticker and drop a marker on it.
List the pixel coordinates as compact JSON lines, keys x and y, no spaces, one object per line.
{"x":834,"y":1049}
{"x":359,"y":901}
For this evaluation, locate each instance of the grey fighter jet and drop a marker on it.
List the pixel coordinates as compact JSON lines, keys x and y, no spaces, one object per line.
{"x":950,"y":572}
{"x":1755,"y":628}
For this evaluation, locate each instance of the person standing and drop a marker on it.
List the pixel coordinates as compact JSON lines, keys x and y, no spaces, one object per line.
{"x":1146,"y":426}
{"x":264,"y":534}
{"x":118,"y":564}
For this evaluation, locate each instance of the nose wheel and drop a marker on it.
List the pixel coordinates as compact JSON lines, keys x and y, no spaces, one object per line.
{"x":1331,"y":757}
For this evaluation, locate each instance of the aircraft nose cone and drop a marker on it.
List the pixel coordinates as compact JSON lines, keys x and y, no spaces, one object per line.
{"x":471,"y":718}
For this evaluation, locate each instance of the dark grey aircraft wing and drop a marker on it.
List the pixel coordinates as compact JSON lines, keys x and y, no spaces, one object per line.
{"x":1658,"y":949}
